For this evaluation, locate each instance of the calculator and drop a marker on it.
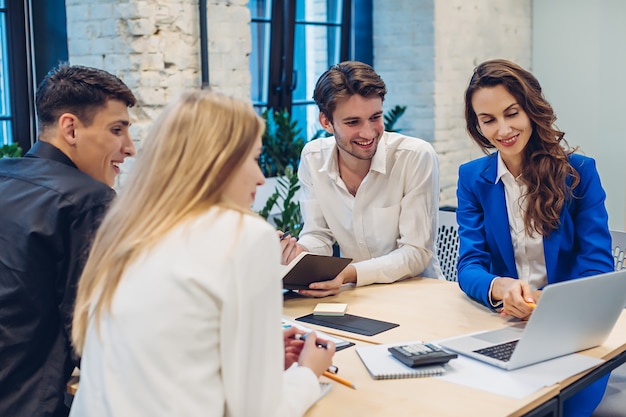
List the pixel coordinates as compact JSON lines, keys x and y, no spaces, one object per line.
{"x":418,"y":354}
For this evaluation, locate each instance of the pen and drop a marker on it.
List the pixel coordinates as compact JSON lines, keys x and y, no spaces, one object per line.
{"x":339,"y":379}
{"x":284,"y":235}
{"x":299,"y":336}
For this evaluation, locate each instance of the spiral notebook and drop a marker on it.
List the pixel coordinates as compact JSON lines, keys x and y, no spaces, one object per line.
{"x":382,"y":365}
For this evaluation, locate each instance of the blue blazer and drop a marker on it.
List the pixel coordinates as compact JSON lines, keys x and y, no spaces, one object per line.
{"x":580,"y":247}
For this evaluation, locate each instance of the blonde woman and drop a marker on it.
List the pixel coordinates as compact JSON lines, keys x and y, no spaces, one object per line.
{"x":178,"y":308}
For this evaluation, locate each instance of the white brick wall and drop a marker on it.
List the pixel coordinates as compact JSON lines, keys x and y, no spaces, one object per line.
{"x":425,"y":50}
{"x":466,"y":34}
{"x":154,"y":46}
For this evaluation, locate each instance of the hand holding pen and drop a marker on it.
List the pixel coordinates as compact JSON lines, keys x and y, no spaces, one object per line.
{"x":289,"y":246}
{"x":313,"y":355}
{"x":331,"y":372}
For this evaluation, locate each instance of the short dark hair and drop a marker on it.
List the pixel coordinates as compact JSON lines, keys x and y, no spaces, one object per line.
{"x":344,"y":80}
{"x":78,"y":90}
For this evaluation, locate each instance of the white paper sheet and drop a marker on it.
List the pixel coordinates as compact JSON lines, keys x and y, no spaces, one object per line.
{"x":518,"y":383}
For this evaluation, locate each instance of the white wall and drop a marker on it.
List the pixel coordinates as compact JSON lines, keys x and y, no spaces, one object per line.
{"x":426,"y":50}
{"x":466,"y":34}
{"x":579,"y":57}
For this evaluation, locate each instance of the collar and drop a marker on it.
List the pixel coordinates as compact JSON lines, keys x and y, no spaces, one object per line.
{"x":502,"y":170}
{"x":45,"y":150}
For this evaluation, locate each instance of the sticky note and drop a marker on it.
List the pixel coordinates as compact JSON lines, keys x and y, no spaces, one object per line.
{"x":330,"y":309}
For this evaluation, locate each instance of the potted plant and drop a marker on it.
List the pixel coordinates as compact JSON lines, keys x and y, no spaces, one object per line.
{"x":10,"y":151}
{"x":282,"y":146}
{"x":289,"y":216}
{"x":277,"y":201}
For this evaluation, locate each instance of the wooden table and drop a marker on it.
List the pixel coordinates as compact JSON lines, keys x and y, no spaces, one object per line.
{"x":429,"y":309}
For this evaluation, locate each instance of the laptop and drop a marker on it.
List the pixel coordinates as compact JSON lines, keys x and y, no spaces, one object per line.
{"x":570,"y":316}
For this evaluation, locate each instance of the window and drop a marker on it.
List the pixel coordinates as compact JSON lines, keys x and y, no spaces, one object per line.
{"x":31,"y":42}
{"x":295,"y":41}
{"x":6,"y":124}
{"x":15,"y":101}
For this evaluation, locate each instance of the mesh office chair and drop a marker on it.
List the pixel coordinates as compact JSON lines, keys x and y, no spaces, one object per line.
{"x":448,"y":244}
{"x":619,"y":247}
{"x":612,"y":404}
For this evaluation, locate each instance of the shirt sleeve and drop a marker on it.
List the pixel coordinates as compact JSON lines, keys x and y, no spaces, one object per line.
{"x":474,"y":276}
{"x":316,"y":236}
{"x":252,"y":351}
{"x":82,"y":232}
{"x":417,"y":224}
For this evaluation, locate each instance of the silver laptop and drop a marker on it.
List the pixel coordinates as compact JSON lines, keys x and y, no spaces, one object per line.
{"x":570,"y":316}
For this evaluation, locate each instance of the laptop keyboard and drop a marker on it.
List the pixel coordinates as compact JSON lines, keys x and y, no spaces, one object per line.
{"x":501,"y":352}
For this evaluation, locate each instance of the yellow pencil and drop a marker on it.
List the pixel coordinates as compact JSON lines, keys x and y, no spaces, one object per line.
{"x":532,"y":305}
{"x":339,"y":379}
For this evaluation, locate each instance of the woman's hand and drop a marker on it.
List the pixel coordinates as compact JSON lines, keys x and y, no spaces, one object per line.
{"x":517,"y":298}
{"x":293,"y":347}
{"x":314,"y":357}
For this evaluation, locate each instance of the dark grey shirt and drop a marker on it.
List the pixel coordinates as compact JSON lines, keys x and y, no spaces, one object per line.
{"x":49,"y":212}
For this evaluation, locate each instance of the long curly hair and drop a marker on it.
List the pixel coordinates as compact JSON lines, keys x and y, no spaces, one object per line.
{"x":545,"y":168}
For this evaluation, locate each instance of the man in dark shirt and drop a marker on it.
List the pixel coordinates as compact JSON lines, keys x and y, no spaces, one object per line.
{"x":51,"y":204}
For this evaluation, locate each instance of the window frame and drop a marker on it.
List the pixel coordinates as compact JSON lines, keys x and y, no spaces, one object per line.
{"x":19,"y":65}
{"x":355,"y":25}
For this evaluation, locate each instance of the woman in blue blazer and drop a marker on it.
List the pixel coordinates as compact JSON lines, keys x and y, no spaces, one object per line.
{"x":531,"y":213}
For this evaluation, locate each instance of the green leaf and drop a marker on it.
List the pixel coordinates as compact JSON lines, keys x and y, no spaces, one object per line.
{"x":11,"y":151}
{"x":282,"y":143}
{"x":392,"y":116}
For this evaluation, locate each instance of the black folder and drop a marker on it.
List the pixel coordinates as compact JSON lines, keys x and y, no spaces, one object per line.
{"x":350,"y":323}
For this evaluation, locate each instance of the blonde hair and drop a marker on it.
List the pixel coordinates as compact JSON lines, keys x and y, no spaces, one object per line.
{"x":182,"y":169}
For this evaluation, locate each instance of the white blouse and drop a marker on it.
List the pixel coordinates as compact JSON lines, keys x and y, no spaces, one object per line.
{"x":530,"y":259}
{"x":195,"y":330}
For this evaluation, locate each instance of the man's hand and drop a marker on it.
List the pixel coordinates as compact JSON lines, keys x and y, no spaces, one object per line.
{"x":289,"y":248}
{"x":332,"y":287}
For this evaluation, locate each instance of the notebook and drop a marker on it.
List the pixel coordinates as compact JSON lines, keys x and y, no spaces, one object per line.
{"x":308,"y":267}
{"x":570,"y":316}
{"x":325,"y":388}
{"x":382,"y":365}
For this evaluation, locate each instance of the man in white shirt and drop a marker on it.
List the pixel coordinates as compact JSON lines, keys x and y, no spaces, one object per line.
{"x":373,"y":192}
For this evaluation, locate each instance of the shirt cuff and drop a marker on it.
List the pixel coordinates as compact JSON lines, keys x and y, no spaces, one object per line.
{"x":364,"y":275}
{"x":493,"y":304}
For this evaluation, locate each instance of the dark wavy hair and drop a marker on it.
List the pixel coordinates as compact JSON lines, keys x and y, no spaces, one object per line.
{"x":79,"y":90}
{"x":344,"y":80}
{"x":545,"y":168}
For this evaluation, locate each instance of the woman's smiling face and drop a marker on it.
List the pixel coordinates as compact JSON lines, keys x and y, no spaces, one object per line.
{"x":503,"y":121}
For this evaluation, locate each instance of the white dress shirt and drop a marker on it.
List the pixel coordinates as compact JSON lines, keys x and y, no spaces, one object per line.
{"x":195,"y":330}
{"x":528,"y":249}
{"x":389,"y":227}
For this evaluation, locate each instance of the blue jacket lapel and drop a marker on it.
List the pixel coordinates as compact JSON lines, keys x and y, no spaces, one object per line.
{"x":496,"y":214}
